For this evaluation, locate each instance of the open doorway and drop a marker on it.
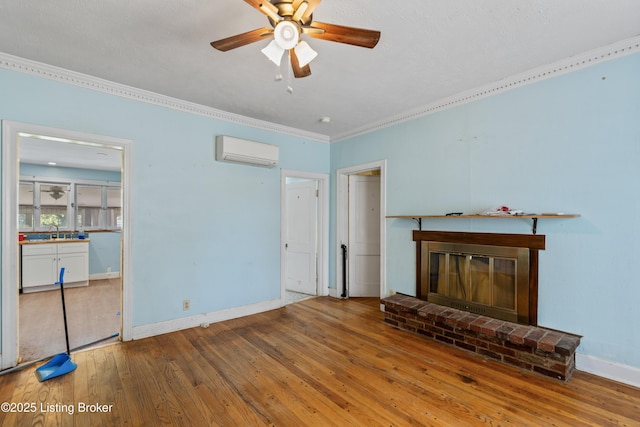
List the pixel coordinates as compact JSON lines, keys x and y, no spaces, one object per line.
{"x":304,"y":235}
{"x":72,"y":208}
{"x":360,"y":230}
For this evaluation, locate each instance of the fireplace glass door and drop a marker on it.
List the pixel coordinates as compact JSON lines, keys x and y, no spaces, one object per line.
{"x":488,"y":280}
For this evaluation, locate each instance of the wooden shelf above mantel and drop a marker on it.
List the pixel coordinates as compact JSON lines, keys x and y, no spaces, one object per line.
{"x":533,"y":217}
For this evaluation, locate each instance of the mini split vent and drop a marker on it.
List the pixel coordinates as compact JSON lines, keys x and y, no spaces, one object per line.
{"x":236,"y":150}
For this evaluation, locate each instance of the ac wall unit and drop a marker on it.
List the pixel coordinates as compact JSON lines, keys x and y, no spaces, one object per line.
{"x":230,"y":149}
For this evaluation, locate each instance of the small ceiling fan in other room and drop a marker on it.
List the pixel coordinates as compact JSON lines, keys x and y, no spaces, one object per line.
{"x":290,"y":19}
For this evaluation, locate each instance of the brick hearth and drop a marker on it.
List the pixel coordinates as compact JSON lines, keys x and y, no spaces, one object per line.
{"x":548,"y":352}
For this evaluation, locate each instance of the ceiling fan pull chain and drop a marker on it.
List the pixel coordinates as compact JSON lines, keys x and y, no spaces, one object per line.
{"x":289,"y":75}
{"x":278,"y":77}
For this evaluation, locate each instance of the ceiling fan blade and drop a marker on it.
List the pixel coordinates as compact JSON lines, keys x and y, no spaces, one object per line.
{"x":254,"y":3}
{"x":298,"y":71}
{"x":299,"y":7}
{"x":265,"y":7}
{"x":242,"y":39}
{"x":309,"y":10}
{"x":349,"y":35}
{"x":309,"y":30}
{"x":270,"y":10}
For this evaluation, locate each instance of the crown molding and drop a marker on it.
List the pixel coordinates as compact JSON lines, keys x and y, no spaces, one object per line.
{"x":15,"y":63}
{"x":568,"y":65}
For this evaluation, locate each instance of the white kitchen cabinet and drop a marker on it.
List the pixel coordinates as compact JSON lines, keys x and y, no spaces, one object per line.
{"x":74,"y":257}
{"x":41,"y":264}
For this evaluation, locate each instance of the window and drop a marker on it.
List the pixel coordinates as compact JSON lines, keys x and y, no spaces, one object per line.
{"x":89,"y":206}
{"x":114,"y":207}
{"x":25,"y":206}
{"x":98,"y":207}
{"x":54,"y":206}
{"x":43,"y":206}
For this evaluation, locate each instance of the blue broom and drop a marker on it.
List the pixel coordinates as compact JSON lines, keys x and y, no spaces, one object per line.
{"x":61,"y":363}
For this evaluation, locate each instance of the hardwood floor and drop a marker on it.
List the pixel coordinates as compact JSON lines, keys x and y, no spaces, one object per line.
{"x":324,"y":362}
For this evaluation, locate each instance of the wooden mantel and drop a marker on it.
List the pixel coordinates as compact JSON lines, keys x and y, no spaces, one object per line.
{"x":530,"y":241}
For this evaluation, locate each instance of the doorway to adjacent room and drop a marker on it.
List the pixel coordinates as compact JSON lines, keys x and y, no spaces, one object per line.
{"x":304,"y":235}
{"x":361,"y":202}
{"x":12,"y":135}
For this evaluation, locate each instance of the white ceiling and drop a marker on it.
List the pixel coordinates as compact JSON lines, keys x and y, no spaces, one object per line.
{"x":429,"y":50}
{"x":67,"y":153}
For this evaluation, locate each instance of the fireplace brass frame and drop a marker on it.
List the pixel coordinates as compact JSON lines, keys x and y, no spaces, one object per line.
{"x":533,"y":243}
{"x":519,"y":312}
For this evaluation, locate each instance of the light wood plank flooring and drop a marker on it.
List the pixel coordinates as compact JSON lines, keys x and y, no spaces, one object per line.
{"x":320,"y":362}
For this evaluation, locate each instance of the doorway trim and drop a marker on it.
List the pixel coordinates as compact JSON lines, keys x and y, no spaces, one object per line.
{"x":9,"y":248}
{"x":342,"y":218}
{"x":322,"y":286}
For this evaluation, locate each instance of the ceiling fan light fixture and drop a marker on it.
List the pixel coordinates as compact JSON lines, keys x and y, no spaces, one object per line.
{"x":286,"y":34}
{"x":304,"y":53}
{"x":273,"y":52}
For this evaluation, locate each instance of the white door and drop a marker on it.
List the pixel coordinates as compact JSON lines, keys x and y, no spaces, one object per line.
{"x":363,"y":252}
{"x":300,"y":239}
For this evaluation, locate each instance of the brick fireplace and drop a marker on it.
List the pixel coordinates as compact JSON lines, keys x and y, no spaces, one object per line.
{"x":458,"y":317}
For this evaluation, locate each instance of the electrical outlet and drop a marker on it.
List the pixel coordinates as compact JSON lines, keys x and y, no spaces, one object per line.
{"x":186,"y":305}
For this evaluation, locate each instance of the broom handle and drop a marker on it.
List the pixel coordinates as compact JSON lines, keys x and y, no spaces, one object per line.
{"x":64,"y":310}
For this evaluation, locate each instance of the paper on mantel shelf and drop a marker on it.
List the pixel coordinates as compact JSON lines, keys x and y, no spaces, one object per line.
{"x":503,"y":211}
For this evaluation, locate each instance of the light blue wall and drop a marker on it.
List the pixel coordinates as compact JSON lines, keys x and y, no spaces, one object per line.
{"x":202,"y":230}
{"x":104,"y":253}
{"x":568,"y":144}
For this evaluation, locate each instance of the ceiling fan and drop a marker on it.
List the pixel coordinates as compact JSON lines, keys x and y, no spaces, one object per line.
{"x":55,"y":191}
{"x":290,"y":19}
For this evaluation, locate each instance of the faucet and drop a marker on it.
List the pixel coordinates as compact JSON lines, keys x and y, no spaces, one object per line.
{"x":57,"y":230}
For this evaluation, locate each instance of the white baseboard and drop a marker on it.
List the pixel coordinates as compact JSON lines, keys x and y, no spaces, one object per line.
{"x":139,"y":332}
{"x":102,"y":276}
{"x":611,"y":370}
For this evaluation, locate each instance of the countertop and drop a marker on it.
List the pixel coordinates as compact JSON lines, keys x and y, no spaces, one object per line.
{"x":45,"y":241}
